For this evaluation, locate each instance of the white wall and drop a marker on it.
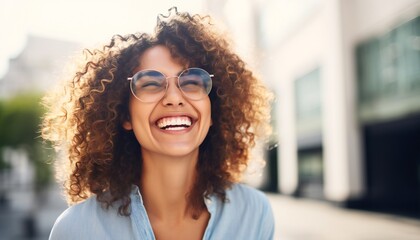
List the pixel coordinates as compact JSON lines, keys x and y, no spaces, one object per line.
{"x":327,"y":38}
{"x":301,"y":53}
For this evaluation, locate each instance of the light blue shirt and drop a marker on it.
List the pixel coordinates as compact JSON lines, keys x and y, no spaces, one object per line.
{"x":246,"y":215}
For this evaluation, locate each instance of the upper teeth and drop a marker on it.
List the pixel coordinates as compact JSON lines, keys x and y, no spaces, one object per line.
{"x":173,"y":121}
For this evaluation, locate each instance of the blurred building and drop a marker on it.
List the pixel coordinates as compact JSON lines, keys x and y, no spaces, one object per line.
{"x":346,"y":74}
{"x":37,"y":67}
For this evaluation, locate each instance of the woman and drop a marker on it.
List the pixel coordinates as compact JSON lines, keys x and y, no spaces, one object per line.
{"x":158,"y":130}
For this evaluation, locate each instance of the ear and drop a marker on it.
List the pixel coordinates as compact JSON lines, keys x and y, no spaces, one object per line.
{"x":127,"y":125}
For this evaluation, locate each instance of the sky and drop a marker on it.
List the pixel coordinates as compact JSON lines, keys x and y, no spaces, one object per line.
{"x":86,"y":21}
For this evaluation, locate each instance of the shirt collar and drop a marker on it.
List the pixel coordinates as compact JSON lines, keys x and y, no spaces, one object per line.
{"x":210,"y":202}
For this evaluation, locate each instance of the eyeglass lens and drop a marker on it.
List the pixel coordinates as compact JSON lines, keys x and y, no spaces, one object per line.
{"x":151,"y":85}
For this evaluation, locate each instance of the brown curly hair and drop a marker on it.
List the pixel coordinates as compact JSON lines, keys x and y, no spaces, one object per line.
{"x":85,"y":119}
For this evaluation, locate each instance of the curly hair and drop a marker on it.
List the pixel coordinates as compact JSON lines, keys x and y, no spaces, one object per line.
{"x":85,"y":118}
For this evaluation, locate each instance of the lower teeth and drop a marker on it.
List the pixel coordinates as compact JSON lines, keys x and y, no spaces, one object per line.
{"x":175,"y":128}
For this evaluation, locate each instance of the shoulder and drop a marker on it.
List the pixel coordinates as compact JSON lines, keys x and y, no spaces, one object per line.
{"x":249,"y":197}
{"x":79,"y":210}
{"x":72,"y":220}
{"x":253,"y":210}
{"x":87,"y":219}
{"x":246,"y":214}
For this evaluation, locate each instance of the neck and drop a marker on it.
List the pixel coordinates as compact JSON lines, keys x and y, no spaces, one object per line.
{"x":165,"y":183}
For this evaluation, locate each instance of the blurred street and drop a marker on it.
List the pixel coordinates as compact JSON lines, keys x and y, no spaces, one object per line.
{"x":296,"y":219}
{"x":303,"y":219}
{"x":21,"y":219}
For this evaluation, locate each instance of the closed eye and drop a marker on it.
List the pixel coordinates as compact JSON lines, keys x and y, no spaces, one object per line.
{"x":150,"y":84}
{"x":191,"y":83}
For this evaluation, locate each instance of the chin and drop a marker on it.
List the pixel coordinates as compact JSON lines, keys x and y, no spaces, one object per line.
{"x":178,"y":151}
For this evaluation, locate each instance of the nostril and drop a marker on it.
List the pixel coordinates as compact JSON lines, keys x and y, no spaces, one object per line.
{"x":169,"y":103}
{"x":173,"y":100}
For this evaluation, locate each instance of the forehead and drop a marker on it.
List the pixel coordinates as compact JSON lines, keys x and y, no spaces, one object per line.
{"x":161,"y":59}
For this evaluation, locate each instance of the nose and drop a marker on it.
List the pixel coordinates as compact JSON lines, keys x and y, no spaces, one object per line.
{"x":173,"y":95}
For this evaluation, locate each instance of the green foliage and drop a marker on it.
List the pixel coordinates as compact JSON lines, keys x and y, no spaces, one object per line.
{"x":20,"y":119}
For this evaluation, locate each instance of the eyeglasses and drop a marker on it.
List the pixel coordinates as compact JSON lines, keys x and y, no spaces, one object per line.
{"x":151,"y":85}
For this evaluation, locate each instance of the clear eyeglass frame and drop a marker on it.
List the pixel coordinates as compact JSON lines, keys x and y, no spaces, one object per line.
{"x":151,"y":85}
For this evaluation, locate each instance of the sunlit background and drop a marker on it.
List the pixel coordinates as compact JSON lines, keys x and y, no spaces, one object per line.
{"x":346,"y":75}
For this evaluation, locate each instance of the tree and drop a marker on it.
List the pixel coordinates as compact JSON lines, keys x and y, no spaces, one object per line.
{"x":20,"y":119}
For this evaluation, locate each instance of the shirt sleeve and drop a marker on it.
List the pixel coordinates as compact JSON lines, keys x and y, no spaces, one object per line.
{"x":254,"y":211}
{"x":74,"y":222}
{"x":61,"y":229}
{"x":267,"y":224}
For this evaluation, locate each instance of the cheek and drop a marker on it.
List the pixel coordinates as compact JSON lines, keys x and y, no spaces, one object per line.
{"x":141,"y":127}
{"x":206,"y":113}
{"x":139,"y":116}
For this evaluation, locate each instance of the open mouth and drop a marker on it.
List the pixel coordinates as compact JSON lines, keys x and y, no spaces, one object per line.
{"x":174,"y":123}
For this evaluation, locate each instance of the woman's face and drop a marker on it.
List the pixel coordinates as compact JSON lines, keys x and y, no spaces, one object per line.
{"x":173,"y":125}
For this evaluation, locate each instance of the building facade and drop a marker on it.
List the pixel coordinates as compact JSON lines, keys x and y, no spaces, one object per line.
{"x":346,"y":74}
{"x":38,"y":67}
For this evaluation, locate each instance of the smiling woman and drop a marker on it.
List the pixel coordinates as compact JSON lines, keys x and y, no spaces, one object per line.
{"x":158,"y":129}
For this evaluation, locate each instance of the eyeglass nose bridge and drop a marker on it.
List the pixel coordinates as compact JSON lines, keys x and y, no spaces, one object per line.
{"x":176,"y":83}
